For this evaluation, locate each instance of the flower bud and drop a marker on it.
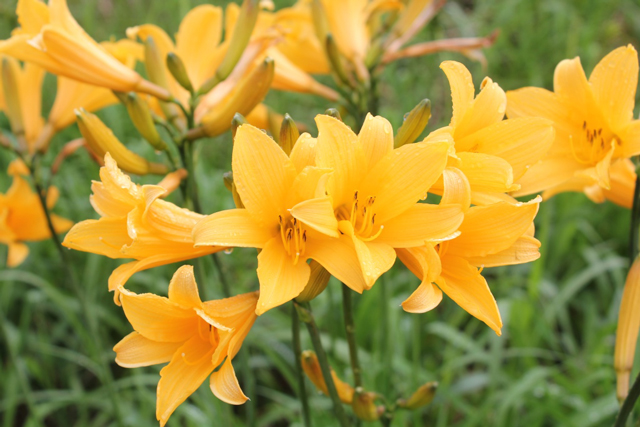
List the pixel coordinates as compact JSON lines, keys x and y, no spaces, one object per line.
{"x":238,"y":120}
{"x":628,"y":328}
{"x":414,"y":123}
{"x":10,"y":81}
{"x":337,"y":63}
{"x":312,"y":369}
{"x":421,"y":397}
{"x":318,"y":280}
{"x":141,"y":117}
{"x":156,"y":72}
{"x":231,"y":186}
{"x":364,"y":406}
{"x":288,"y":134}
{"x":179,"y":71}
{"x":100,"y":140}
{"x":333,"y":113}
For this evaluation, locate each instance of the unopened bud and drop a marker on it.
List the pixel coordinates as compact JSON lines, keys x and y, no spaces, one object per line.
{"x":421,"y":397}
{"x":179,"y":71}
{"x":320,"y":22}
{"x":156,"y":71}
{"x":141,"y":117}
{"x":414,"y":123}
{"x":236,"y":122}
{"x":288,"y":134}
{"x":333,"y":113}
{"x":364,"y":406}
{"x":335,"y":58}
{"x":312,"y":369}
{"x":318,"y":280}
{"x":100,"y":140}
{"x":13,"y":108}
{"x":628,"y":328}
{"x":231,"y":186}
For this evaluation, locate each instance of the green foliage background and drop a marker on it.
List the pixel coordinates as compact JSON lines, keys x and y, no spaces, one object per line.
{"x":551,"y":367}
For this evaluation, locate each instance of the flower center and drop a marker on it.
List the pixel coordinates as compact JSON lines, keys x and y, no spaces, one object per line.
{"x":208,"y":334}
{"x":294,"y":237}
{"x":592,"y":144}
{"x":361,"y":214}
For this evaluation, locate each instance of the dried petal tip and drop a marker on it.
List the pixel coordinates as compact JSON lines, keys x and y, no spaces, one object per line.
{"x":364,"y":405}
{"x":311,"y":368}
{"x":414,"y":123}
{"x":288,"y":134}
{"x":628,"y":328}
{"x":421,"y":397}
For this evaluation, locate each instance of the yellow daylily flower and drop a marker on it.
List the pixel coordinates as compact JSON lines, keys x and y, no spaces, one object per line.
{"x":490,"y":236}
{"x":195,"y":337}
{"x":594,"y":126}
{"x":135,"y":223}
{"x":22,"y":218}
{"x":50,"y":37}
{"x":493,"y":153}
{"x":280,"y":194}
{"x":375,"y":190}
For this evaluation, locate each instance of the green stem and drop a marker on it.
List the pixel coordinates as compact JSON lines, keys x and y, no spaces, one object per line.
{"x":350,"y":329}
{"x":226,"y":290}
{"x":628,"y":404}
{"x":304,"y":312}
{"x":297,"y":351}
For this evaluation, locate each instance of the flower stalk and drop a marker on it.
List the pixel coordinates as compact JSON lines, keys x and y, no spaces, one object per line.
{"x":350,"y":329}
{"x":297,"y":352}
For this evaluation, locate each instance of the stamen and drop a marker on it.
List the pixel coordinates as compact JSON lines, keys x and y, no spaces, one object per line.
{"x":375,"y":236}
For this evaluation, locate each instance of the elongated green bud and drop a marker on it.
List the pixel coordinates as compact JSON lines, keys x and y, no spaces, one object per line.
{"x":10,"y":70}
{"x":333,"y":113}
{"x":179,"y":71}
{"x":231,"y":186}
{"x":236,"y":122}
{"x":288,"y":134}
{"x":156,"y":72}
{"x":239,"y":41}
{"x":422,"y":397}
{"x":318,"y":280}
{"x":335,"y":58}
{"x":414,"y":123}
{"x":143,"y":121}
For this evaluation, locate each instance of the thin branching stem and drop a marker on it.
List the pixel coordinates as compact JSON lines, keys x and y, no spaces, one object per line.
{"x":297,"y":352}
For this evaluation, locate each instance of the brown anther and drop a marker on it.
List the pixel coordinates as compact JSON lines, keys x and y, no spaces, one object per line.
{"x":373,"y":219}
{"x":304,"y":236}
{"x":584,"y":125}
{"x":355,"y":196}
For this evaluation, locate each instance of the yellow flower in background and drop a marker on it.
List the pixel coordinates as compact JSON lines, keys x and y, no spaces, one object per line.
{"x":493,"y":153}
{"x":375,"y":190}
{"x":595,"y":129}
{"x":490,"y":236}
{"x":280,"y":193}
{"x":22,"y":218}
{"x":195,"y":337}
{"x":312,"y":369}
{"x":50,"y":37}
{"x":135,"y":223}
{"x":627,"y":331}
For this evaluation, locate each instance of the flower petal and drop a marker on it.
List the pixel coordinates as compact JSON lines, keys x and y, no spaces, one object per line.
{"x":623,"y":180}
{"x":425,"y":298}
{"x":233,"y":227}
{"x":280,"y":279}
{"x":317,"y":214}
{"x":105,"y":236}
{"x":488,"y":108}
{"x":134,"y":351}
{"x":375,"y":138}
{"x":630,"y":139}
{"x":224,"y":385}
{"x":525,"y":249}
{"x":183,"y":289}
{"x":487,"y":172}
{"x":456,"y":189}
{"x":462,"y":89}
{"x":18,"y":252}
{"x":600,"y":172}
{"x":570,"y":83}
{"x":375,"y":259}
{"x":547,"y":173}
{"x":340,"y":259}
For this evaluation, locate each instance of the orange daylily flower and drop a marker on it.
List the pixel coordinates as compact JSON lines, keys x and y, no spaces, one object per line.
{"x":490,"y":236}
{"x":279,"y":194}
{"x":22,"y":218}
{"x":135,"y":223}
{"x":595,"y":129}
{"x":195,"y":337}
{"x":50,"y":37}
{"x":493,"y":153}
{"x":375,"y":190}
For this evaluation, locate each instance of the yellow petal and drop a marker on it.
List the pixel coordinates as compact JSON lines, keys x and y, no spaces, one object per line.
{"x":105,"y":236}
{"x":456,"y":189}
{"x":628,"y":328}
{"x":375,"y":138}
{"x":570,"y":83}
{"x":488,"y":108}
{"x":224,"y":385}
{"x":233,"y":227}
{"x":234,"y":312}
{"x":375,"y":259}
{"x":280,"y":279}
{"x":525,"y":249}
{"x":347,"y":22}
{"x":546,"y":174}
{"x":630,"y":139}
{"x":491,"y":229}
{"x":423,"y":261}
{"x":262,"y":174}
{"x":403,"y":177}
{"x":157,"y":318}
{"x":462,"y":89}
{"x":180,"y":378}
{"x":614,"y":81}
{"x":339,"y":257}
{"x":288,"y":76}
{"x":310,"y":183}
{"x":623,"y":179}
{"x":183,"y":289}
{"x":600,"y":172}
{"x":304,"y":152}
{"x":521,"y":142}
{"x":465,"y":285}
{"x":32,"y":16}
{"x":18,"y":252}
{"x":317,"y":214}
{"x":421,"y":223}
{"x":425,"y":298}
{"x":134,"y":351}
{"x":487,"y":172}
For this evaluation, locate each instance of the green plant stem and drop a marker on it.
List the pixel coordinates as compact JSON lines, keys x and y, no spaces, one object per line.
{"x":304,"y":312}
{"x":297,"y":352}
{"x":628,"y":404}
{"x":107,"y":377}
{"x":350,"y":329}
{"x":226,"y":290}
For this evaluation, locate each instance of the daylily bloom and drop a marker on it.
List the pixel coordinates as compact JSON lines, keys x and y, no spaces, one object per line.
{"x":22,"y":218}
{"x":375,"y":190}
{"x":490,"y":236}
{"x":195,"y":337}
{"x":136,"y":224}
{"x":490,"y":151}
{"x":50,"y":37}
{"x":279,"y":194}
{"x":595,"y":129}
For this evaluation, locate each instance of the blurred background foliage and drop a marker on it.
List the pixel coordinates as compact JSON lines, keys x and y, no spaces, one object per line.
{"x":551,"y":367}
